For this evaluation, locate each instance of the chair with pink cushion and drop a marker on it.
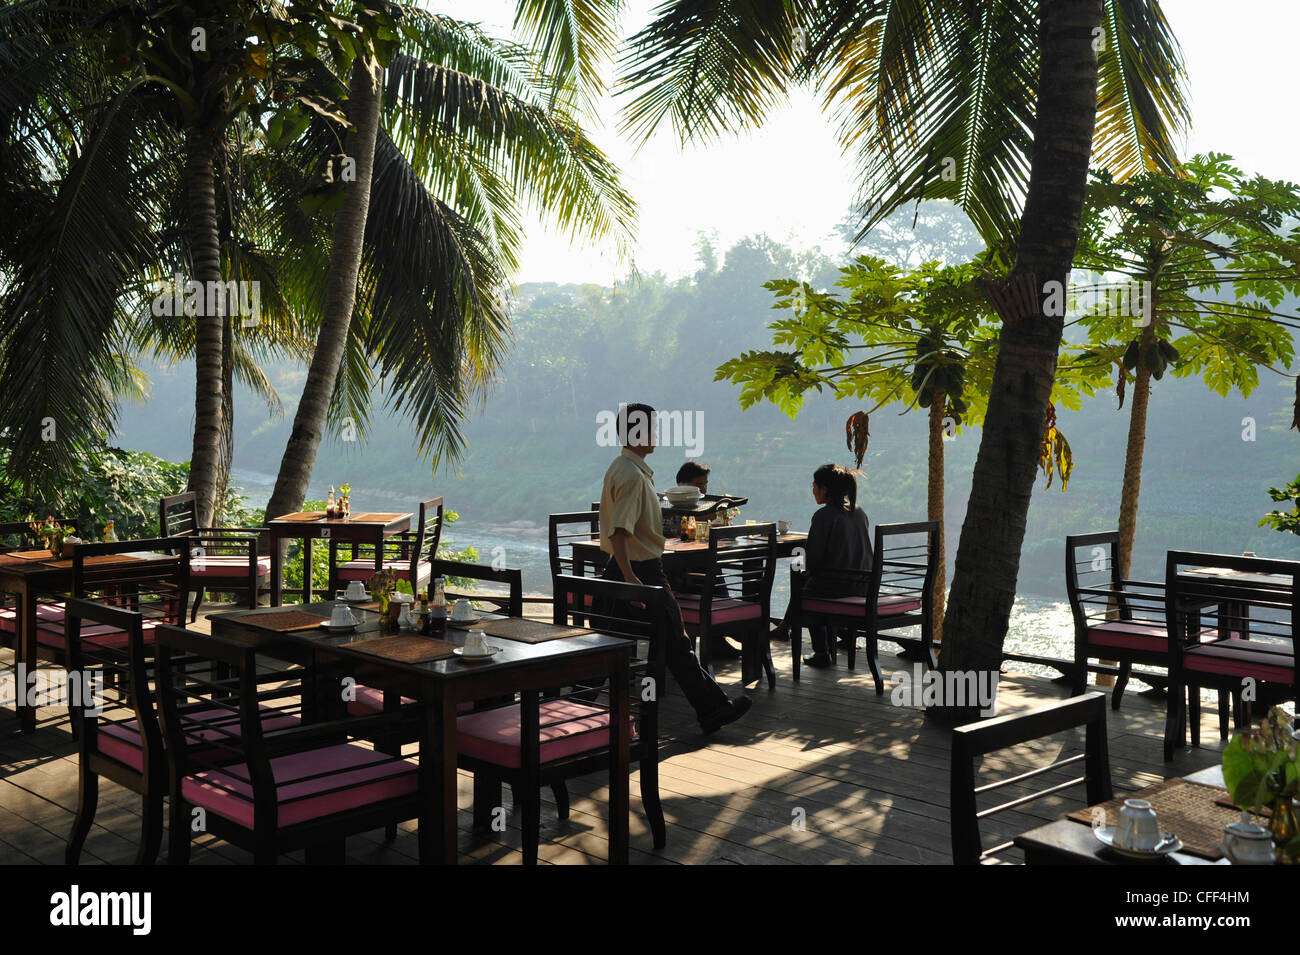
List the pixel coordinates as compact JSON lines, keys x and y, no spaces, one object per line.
{"x":1232,"y":622}
{"x":269,"y":790}
{"x":113,"y":714}
{"x":545,"y":739}
{"x":733,"y":596}
{"x":563,"y":531}
{"x":222,"y":559}
{"x":896,"y":593}
{"x":409,"y":554}
{"x":1114,"y":619}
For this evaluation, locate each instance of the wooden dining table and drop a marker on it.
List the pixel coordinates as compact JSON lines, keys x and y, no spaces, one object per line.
{"x":33,"y":573}
{"x":678,"y":554}
{"x":362,"y":527}
{"x":439,"y":685}
{"x":1069,"y":841}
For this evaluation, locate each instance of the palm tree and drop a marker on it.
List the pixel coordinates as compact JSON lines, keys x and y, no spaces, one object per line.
{"x":994,"y":106}
{"x":119,"y":121}
{"x":469,"y":129}
{"x":1176,"y":243}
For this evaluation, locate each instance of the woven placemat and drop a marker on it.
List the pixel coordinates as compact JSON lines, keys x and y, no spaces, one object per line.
{"x":31,"y":554}
{"x":404,"y":649}
{"x":286,"y":620}
{"x":96,"y":559}
{"x":1188,"y":810}
{"x":529,"y":631}
{"x":372,"y":518}
{"x":302,"y":516}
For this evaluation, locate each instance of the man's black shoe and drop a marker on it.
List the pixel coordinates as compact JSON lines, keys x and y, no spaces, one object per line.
{"x":732,"y":711}
{"x":818,"y":661}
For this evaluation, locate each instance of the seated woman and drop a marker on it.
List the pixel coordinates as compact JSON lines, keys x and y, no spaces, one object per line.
{"x":839,"y":539}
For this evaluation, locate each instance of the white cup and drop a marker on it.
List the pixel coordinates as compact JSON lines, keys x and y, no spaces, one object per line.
{"x":462,"y":609}
{"x":356,"y":590}
{"x":476,"y":644}
{"x":1138,"y":827}
{"x":341,"y":616}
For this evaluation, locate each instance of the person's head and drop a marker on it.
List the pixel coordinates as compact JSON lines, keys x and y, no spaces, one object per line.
{"x":695,"y":474}
{"x":636,"y":426}
{"x":835,"y":485}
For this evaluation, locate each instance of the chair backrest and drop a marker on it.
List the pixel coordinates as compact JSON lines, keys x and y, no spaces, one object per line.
{"x":742,"y":559}
{"x":178,"y":515}
{"x":1245,"y":598}
{"x":562,"y":532}
{"x":429,"y":531}
{"x":610,"y":611}
{"x":98,"y":658}
{"x":511,"y":603}
{"x":1096,"y":591}
{"x":159,"y":587}
{"x":976,"y":740}
{"x":906,"y":562}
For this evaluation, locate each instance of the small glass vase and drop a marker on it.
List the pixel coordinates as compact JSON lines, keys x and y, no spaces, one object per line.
{"x":1284,"y":828}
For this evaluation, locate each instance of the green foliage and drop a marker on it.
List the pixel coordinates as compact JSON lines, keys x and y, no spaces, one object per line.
{"x":1261,"y":765}
{"x":1284,"y":521}
{"x":1221,"y":252}
{"x":110,"y":485}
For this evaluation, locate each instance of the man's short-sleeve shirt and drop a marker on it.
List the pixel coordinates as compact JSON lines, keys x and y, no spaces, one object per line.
{"x":628,"y":502}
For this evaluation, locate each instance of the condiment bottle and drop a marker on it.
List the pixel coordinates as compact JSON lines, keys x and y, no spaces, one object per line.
{"x":331,"y":509}
{"x":110,"y":536}
{"x":437,"y":625}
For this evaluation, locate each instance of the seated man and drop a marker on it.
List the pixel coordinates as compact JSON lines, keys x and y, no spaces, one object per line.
{"x":630,"y":524}
{"x":694,"y":474}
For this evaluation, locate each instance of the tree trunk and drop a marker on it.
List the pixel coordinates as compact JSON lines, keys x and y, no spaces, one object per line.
{"x":1137,"y":440}
{"x":340,"y":296}
{"x":934,"y":507}
{"x":205,"y":251}
{"x":227,"y":416}
{"x":988,"y":553}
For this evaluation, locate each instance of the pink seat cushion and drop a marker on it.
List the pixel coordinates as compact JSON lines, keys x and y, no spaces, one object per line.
{"x":122,"y":742}
{"x":493,"y":735}
{"x":1236,"y":657}
{"x":226,"y":566}
{"x":354,"y":777}
{"x":45,"y":613}
{"x":94,"y":636}
{"x":370,"y":701}
{"x":724,"y":610}
{"x":586,"y":599}
{"x":365,"y":569}
{"x":857,"y":606}
{"x":1130,"y":634}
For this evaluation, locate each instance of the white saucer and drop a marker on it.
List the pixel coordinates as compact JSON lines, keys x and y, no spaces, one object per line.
{"x":1106,"y":836}
{"x":340,"y":628}
{"x":460,"y":652}
{"x":357,"y":600}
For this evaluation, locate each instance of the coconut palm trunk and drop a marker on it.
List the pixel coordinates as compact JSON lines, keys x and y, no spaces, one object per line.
{"x":340,"y":296}
{"x":205,"y":251}
{"x":988,"y":554}
{"x":1137,"y":440}
{"x":934,"y":506}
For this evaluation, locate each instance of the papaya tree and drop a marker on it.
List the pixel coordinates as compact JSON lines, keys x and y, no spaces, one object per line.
{"x":1203,"y":264}
{"x":921,"y":338}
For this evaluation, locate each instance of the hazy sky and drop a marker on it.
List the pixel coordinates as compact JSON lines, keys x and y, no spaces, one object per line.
{"x":790,"y":180}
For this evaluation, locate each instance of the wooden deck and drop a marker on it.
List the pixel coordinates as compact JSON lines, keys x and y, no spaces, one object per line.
{"x":820,"y":772}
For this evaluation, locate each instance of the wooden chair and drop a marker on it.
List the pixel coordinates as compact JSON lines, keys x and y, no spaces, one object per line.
{"x":898,"y":592}
{"x":222,"y":559}
{"x":119,"y":738}
{"x":572,"y":733}
{"x":510,"y":603}
{"x":156,"y":586}
{"x":977,"y":740}
{"x":734,"y":596}
{"x":267,"y":790}
{"x":1249,"y":642}
{"x":408,"y":554}
{"x":562,"y":530}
